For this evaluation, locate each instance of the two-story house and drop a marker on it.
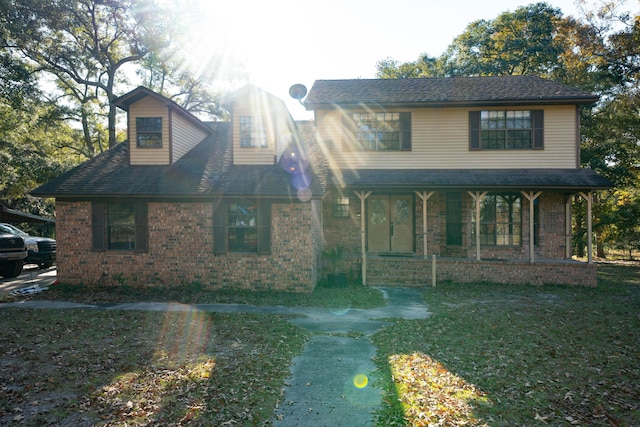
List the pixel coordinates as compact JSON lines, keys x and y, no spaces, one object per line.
{"x":479,"y":172}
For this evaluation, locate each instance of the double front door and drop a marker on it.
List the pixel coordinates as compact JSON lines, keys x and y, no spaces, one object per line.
{"x":390,"y":223}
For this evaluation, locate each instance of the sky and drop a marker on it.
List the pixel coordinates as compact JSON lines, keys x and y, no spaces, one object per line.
{"x":274,"y":44}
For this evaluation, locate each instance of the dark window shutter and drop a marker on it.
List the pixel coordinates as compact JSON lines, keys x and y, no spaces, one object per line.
{"x":98,"y":225}
{"x":474,"y":130}
{"x":264,"y":227}
{"x":538,"y":129}
{"x":220,"y":227}
{"x":405,"y":131}
{"x":142,"y":226}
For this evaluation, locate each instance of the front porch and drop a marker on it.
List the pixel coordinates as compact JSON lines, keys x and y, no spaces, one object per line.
{"x":500,"y":235}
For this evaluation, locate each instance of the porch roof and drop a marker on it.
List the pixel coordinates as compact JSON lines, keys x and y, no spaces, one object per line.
{"x":472,"y":179}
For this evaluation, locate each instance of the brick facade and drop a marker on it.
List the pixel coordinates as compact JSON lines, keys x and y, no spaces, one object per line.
{"x":417,"y":272}
{"x":180,"y":250}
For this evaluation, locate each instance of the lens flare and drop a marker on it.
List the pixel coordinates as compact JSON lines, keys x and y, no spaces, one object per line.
{"x":360,"y":381}
{"x":300,"y":180}
{"x":304,"y":194}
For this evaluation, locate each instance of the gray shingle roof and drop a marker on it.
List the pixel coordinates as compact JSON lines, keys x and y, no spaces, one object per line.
{"x":206,"y":171}
{"x":473,"y":179}
{"x":432,"y":92}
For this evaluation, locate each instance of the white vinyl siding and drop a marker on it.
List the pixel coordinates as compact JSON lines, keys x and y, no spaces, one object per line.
{"x":440,"y":140}
{"x":184,"y":136}
{"x":148,"y":107}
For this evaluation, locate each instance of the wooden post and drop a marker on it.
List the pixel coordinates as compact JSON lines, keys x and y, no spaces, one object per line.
{"x":531,"y":197}
{"x":588,"y":196}
{"x":424,"y":196}
{"x":433,"y":271}
{"x":363,"y":196}
{"x":478,"y":197}
{"x":567,"y":228}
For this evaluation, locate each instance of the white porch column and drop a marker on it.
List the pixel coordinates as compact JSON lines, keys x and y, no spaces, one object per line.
{"x":567,"y":228}
{"x":531,"y":197}
{"x":363,"y":196}
{"x":478,"y":197}
{"x":424,"y":196}
{"x":588,"y":196}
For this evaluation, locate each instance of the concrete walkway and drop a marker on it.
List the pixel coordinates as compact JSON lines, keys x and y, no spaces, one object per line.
{"x":333,"y":381}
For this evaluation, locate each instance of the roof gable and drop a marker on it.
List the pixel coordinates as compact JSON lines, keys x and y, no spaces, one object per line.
{"x":445,"y":91}
{"x":125,"y":101}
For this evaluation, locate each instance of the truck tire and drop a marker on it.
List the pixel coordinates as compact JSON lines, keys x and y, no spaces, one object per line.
{"x":11,"y":269}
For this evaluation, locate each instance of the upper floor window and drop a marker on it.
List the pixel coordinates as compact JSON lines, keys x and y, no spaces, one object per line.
{"x":149,"y":132}
{"x":381,"y":131}
{"x":252,"y":132}
{"x":506,"y":129}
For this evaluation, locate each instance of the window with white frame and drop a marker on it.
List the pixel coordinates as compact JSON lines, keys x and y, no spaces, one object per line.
{"x":253,"y":133}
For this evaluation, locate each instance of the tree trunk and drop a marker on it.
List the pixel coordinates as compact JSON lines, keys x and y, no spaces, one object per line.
{"x":87,"y":133}
{"x":112,"y":123}
{"x":111,"y":73}
{"x":600,"y":249}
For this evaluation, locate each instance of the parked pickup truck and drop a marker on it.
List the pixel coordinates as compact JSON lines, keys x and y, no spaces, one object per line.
{"x":13,"y":252}
{"x":40,"y":250}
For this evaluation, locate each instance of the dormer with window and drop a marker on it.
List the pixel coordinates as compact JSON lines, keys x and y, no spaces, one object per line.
{"x":262,"y":127}
{"x":159,"y":131}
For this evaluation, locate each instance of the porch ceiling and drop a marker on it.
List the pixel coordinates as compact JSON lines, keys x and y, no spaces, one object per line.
{"x":467,"y":179}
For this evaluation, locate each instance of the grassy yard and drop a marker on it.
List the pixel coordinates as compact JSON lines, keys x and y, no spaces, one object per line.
{"x":489,"y":355}
{"x":354,"y":295}
{"x":518,"y":355}
{"x":122,"y":368}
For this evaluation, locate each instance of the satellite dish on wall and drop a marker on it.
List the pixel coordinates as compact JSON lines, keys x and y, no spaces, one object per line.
{"x":298,"y":91}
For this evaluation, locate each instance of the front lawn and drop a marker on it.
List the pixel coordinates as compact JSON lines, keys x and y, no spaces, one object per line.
{"x":489,"y":355}
{"x":129,"y":368}
{"x":518,"y":355}
{"x":353,"y":296}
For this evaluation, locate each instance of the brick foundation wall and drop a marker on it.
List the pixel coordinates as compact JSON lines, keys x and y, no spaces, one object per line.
{"x":180,"y":250}
{"x":382,"y":271}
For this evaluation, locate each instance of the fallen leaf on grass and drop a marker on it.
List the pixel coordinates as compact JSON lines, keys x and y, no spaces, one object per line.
{"x":538,"y":417}
{"x":431,"y":395}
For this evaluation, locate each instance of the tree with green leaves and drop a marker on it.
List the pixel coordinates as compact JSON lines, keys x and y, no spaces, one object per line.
{"x":425,"y":66}
{"x":84,"y":44}
{"x":164,"y":74}
{"x":62,"y":65}
{"x":519,"y":42}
